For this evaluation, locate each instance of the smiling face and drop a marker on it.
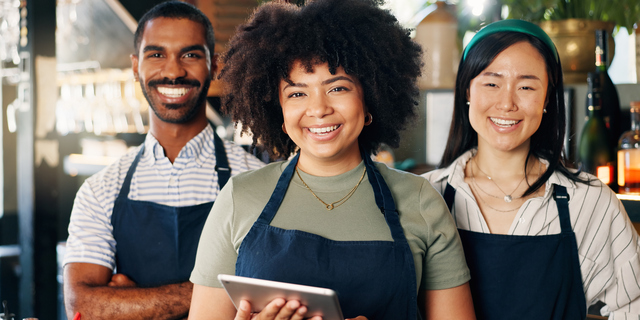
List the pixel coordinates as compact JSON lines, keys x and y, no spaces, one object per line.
{"x":174,"y":68}
{"x":507,"y":99}
{"x":324,"y":115}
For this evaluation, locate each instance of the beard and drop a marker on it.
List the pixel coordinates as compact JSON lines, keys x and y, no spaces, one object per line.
{"x":177,"y":113}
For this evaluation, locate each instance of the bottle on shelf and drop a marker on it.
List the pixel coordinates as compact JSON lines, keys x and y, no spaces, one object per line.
{"x":437,"y":34}
{"x":629,"y":154}
{"x":610,"y":99}
{"x":595,"y":150}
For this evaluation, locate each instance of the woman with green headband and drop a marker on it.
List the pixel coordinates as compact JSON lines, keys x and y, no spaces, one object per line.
{"x":542,"y":241}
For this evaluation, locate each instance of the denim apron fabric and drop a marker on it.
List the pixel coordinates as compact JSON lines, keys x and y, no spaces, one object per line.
{"x":525,"y":277}
{"x":375,"y":279}
{"x":156,"y":244}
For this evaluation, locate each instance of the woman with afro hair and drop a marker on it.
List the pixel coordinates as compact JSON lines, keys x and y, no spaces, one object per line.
{"x":329,"y":82}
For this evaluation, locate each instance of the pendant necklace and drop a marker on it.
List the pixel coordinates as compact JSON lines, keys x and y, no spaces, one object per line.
{"x":475,"y":184}
{"x":335,"y":204}
{"x":507,"y":196}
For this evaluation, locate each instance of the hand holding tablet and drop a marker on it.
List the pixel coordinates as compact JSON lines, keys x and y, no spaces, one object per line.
{"x":319,"y":301}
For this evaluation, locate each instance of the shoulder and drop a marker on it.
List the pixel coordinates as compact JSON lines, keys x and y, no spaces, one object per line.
{"x":238,"y":156}
{"x":113,"y":175}
{"x":408,"y":186}
{"x":263,"y":178}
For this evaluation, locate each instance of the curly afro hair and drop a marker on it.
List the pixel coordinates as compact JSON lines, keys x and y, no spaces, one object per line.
{"x":365,"y":40}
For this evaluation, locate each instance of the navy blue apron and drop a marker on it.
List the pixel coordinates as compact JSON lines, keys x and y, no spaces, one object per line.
{"x":525,"y":277}
{"x":375,"y":279}
{"x":156,"y":244}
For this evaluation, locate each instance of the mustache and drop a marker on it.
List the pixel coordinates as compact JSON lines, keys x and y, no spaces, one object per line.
{"x":178,"y":81}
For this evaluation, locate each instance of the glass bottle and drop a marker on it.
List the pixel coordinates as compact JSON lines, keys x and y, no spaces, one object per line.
{"x":629,"y":154}
{"x":595,"y":151}
{"x":610,"y":99}
{"x":437,"y":34}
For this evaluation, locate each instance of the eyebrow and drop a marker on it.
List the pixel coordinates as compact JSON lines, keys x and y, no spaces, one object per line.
{"x":524,"y":76}
{"x":196,"y":47}
{"x":325,"y":82}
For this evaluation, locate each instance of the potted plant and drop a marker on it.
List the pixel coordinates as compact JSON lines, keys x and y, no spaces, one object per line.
{"x":572,"y":24}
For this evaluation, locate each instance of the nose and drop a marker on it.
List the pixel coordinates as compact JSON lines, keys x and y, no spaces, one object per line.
{"x":319,"y":106}
{"x":507,"y":101}
{"x":173,"y":68}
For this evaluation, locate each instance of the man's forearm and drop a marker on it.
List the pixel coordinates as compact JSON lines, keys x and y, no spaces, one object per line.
{"x":113,"y":303}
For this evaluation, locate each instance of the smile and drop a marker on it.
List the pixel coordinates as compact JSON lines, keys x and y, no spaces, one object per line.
{"x":324,"y":130}
{"x":173,"y":92}
{"x":504,"y":123}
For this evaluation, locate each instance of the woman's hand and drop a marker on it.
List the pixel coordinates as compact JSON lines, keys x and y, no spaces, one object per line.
{"x":278,"y":309}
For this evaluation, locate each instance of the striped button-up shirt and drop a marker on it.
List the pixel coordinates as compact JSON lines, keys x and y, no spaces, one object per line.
{"x":608,"y":245}
{"x":190,"y":180}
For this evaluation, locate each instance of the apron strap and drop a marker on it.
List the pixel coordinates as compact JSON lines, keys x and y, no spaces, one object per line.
{"x":561,"y":197}
{"x":277,"y":196}
{"x":449,"y":196}
{"x":222,"y":163}
{"x":124,"y":190}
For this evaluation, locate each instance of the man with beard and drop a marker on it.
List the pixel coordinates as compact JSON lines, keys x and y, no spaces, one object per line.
{"x":142,"y":216}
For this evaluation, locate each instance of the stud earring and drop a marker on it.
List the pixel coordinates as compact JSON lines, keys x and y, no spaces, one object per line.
{"x":544,"y":110}
{"x":368,"y":119}
{"x":468,"y":103}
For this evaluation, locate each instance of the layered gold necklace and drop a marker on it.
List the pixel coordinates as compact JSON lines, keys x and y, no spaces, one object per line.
{"x":335,"y":204}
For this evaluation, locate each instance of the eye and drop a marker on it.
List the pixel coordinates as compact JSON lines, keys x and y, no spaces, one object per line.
{"x":154,"y":55}
{"x":491,"y":85}
{"x":192,"y":55}
{"x":295,"y":95}
{"x":339,"y":89}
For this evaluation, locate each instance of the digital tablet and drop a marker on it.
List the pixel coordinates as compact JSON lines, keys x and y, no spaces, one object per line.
{"x":319,"y":301}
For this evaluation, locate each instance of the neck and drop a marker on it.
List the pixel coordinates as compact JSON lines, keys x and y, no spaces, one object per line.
{"x":328,"y":167}
{"x":501,"y":165}
{"x":174,"y":136}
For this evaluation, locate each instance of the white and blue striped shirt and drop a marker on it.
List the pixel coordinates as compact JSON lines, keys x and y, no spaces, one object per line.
{"x":608,"y":244}
{"x":190,"y":180}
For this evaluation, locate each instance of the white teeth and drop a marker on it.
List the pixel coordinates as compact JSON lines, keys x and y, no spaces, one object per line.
{"x":173,"y":92}
{"x":323,"y":130}
{"x":504,"y":123}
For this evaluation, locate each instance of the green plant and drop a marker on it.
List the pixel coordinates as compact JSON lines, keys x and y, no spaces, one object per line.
{"x":625,"y":13}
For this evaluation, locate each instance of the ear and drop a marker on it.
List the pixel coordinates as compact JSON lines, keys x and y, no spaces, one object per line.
{"x":214,"y":65}
{"x":134,"y":66}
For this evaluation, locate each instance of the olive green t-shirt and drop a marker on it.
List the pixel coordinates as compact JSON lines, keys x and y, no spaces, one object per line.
{"x":427,"y":224}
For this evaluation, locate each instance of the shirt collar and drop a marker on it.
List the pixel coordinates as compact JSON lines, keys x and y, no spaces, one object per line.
{"x":454,"y":173}
{"x":192,"y":151}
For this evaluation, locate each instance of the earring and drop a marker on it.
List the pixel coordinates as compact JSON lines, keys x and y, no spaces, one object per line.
{"x":284,"y":129}
{"x":369,"y":120}
{"x":544,"y":110}
{"x":468,"y":103}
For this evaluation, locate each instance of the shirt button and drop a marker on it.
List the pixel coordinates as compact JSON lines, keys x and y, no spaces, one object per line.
{"x":172,"y":181}
{"x":522,"y":220}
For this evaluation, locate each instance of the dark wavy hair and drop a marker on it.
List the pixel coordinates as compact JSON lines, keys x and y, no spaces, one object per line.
{"x":365,"y":40}
{"x":547,"y":142}
{"x":175,"y":10}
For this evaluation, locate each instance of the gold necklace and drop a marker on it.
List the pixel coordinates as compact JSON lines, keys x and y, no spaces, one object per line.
{"x":507,"y":197}
{"x":335,"y":204}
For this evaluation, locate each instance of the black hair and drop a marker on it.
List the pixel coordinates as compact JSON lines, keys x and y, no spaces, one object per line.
{"x":547,"y":142}
{"x":357,"y":35}
{"x":175,"y":10}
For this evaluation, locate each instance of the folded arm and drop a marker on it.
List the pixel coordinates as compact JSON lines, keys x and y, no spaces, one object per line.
{"x":90,"y":290}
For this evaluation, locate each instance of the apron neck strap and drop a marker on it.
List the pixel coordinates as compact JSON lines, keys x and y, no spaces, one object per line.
{"x":561,"y":197}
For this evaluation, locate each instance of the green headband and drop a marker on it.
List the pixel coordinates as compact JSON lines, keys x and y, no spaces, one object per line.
{"x":512,"y":25}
